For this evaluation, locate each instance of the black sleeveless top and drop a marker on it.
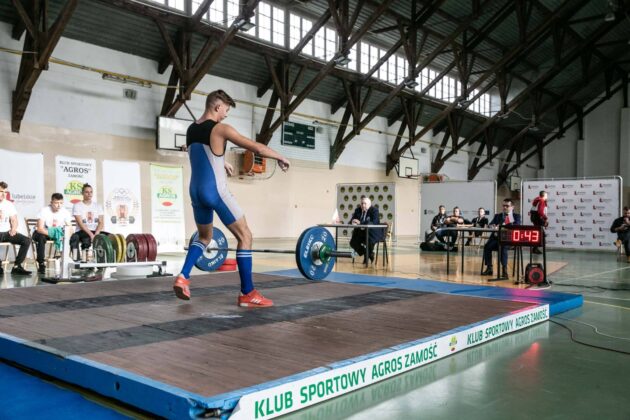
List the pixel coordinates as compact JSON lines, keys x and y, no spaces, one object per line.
{"x":200,"y":133}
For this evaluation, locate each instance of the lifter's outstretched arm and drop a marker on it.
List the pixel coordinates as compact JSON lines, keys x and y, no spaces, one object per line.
{"x":229,"y":133}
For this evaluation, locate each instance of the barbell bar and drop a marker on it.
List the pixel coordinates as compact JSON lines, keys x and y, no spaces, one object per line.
{"x":315,"y":252}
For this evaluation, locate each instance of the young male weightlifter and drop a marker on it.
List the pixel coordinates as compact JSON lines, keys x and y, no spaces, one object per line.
{"x":206,"y":141}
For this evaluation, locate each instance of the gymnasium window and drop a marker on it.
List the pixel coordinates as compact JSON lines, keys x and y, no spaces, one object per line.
{"x":295,"y":32}
{"x":352,"y":55}
{"x":277,"y":26}
{"x":216,"y":12}
{"x":232,"y":11}
{"x":365,"y":58}
{"x":263,"y":27}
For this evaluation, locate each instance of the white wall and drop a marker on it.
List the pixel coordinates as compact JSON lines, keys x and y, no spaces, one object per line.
{"x":604,"y":151}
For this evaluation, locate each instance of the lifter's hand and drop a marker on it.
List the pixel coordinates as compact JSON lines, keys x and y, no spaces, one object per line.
{"x":229,"y":169}
{"x":284,"y":164}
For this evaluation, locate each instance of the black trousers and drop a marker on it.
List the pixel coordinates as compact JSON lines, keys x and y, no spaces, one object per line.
{"x":80,"y":237}
{"x":624,"y":237}
{"x":18,"y":239}
{"x":40,"y":243}
{"x":357,"y":242}
{"x":493,"y":245}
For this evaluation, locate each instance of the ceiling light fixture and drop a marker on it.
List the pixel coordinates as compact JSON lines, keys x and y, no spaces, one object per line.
{"x":342,"y":60}
{"x":243,"y":24}
{"x":410,"y":83}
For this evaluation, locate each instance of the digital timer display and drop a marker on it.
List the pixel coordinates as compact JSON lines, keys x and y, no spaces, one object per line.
{"x":518,"y":235}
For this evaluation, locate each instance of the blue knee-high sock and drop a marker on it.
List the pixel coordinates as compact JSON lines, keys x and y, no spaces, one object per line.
{"x":194,"y":252}
{"x":244,"y":262}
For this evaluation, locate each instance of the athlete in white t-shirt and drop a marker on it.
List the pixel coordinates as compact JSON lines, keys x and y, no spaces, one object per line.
{"x":53,"y":215}
{"x":9,"y":233}
{"x":89,"y":216}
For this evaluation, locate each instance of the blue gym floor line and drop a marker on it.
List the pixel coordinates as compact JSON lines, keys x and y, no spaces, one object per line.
{"x":17,"y":389}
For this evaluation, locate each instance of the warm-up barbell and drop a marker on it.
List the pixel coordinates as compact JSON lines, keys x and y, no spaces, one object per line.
{"x":315,"y":252}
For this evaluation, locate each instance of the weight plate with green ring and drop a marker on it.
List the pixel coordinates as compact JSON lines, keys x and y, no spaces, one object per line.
{"x":103,"y":248}
{"x":307,"y":253}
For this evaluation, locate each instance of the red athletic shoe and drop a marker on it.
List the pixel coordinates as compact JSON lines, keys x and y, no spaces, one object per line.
{"x":254,"y":299}
{"x":181,"y":287}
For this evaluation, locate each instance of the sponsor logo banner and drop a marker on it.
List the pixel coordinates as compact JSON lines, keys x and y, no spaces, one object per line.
{"x":121,"y":187}
{"x":296,"y":395}
{"x":577,"y":210}
{"x":24,"y":173}
{"x":167,"y":207}
{"x":72,"y":173}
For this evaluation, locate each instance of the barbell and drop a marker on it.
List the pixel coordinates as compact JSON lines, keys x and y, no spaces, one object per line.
{"x":315,"y":252}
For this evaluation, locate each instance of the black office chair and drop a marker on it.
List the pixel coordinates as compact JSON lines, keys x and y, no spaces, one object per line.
{"x":384,"y":239}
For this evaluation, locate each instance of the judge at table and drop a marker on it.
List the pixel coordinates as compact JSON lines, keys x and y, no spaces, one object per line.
{"x":365,"y":214}
{"x":506,"y":217}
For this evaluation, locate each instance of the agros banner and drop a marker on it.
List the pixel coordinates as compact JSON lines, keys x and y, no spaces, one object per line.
{"x":580,"y":211}
{"x":286,"y":398}
{"x":72,"y":173}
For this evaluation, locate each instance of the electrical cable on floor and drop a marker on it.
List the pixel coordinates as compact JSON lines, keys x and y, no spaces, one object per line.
{"x":615,"y":289}
{"x":594,"y":328}
{"x":584,"y":343}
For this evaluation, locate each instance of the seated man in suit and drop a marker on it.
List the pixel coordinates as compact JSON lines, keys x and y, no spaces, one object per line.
{"x":365,"y":215}
{"x":506,"y":217}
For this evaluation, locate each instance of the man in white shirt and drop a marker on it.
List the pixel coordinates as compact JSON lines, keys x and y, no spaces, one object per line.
{"x":89,"y":216}
{"x":9,"y":233}
{"x":53,"y":215}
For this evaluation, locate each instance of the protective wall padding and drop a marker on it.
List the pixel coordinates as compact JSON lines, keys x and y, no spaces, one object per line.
{"x":383,"y":196}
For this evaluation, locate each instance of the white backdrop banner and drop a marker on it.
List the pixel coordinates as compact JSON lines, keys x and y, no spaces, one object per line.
{"x":72,"y":173}
{"x":121,"y":191}
{"x":580,"y":211}
{"x":26,"y":192}
{"x":167,"y":207}
{"x":467,"y":195}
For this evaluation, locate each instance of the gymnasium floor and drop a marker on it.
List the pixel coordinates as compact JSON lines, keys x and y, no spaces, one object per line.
{"x":540,"y":372}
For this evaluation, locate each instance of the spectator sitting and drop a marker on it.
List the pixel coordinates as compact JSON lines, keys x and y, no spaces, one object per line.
{"x":9,"y":233}
{"x":621,"y":226}
{"x":481,"y":221}
{"x":52,"y":216}
{"x":437,"y":222}
{"x":89,"y":216}
{"x":453,"y":220}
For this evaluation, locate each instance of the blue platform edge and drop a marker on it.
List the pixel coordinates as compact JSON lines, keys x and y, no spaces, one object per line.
{"x":558,"y":302}
{"x":172,"y":402}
